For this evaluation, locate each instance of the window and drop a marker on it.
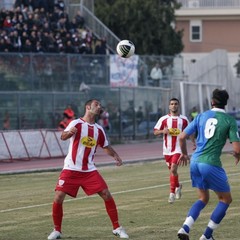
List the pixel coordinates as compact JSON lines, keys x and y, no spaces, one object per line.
{"x":196,"y":31}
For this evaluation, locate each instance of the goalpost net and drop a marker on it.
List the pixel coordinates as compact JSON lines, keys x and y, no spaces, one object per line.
{"x":196,"y":95}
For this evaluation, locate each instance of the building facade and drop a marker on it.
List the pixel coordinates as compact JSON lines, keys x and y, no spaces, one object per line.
{"x":209,"y":25}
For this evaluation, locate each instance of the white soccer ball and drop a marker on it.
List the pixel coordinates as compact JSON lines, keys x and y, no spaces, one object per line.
{"x":125,"y":49}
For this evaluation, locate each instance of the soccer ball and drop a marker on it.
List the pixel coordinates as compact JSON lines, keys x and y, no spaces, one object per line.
{"x":125,"y":48}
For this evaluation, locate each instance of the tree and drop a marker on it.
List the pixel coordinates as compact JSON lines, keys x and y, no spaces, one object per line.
{"x":147,"y":23}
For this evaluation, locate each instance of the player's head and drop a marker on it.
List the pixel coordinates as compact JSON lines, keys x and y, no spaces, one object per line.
{"x":219,"y":98}
{"x":93,"y":106}
{"x":174,"y":99}
{"x":173,"y":105}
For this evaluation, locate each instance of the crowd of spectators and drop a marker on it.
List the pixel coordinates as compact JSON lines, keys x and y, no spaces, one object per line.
{"x":44,"y":26}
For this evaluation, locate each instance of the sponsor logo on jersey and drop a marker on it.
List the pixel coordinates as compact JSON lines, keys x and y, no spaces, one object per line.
{"x":88,"y":142}
{"x":174,"y":131}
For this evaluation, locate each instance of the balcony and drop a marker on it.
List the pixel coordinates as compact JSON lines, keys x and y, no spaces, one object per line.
{"x":223,"y":9}
{"x":210,"y":4}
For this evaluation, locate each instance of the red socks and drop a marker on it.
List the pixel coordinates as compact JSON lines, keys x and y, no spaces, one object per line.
{"x":112,"y":212}
{"x":57,"y":214}
{"x":174,"y":183}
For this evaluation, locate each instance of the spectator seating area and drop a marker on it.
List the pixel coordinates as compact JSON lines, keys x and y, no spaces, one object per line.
{"x":41,"y":26}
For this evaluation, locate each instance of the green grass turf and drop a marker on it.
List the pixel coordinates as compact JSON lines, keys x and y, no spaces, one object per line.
{"x":140,"y":191}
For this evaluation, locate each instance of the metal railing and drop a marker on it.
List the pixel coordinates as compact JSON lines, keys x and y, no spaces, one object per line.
{"x":93,"y":23}
{"x":212,"y":4}
{"x":44,"y":110}
{"x":36,"y":88}
{"x":7,"y":4}
{"x":66,"y":72}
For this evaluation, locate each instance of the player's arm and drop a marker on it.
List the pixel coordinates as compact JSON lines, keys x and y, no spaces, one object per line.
{"x":192,"y":138}
{"x":235,"y":140}
{"x":236,"y":151}
{"x":67,"y":134}
{"x":184,"y":158}
{"x":111,"y":152}
{"x":158,"y":132}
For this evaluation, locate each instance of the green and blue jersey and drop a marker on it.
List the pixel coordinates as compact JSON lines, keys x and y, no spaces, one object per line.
{"x":213,"y":128}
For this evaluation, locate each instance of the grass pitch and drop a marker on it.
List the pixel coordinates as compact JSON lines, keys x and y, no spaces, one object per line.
{"x":140,"y":192}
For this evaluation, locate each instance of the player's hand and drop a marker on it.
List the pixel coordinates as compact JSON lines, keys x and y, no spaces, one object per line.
{"x":118,"y":160}
{"x":183,"y":160}
{"x":165,"y":131}
{"x":194,"y":146}
{"x":237,"y":157}
{"x":72,"y":131}
{"x":66,"y":135}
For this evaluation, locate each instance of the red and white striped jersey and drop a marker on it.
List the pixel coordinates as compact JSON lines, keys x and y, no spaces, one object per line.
{"x":83,"y":145}
{"x":175,"y":125}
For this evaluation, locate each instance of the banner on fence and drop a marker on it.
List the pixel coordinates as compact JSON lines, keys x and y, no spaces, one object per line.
{"x":123,"y":71}
{"x":29,"y":144}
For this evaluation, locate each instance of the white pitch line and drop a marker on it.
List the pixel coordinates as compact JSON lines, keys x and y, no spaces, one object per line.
{"x":81,"y":198}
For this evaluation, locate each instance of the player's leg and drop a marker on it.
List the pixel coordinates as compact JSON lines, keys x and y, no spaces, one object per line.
{"x":171,"y":197}
{"x":203,"y":198}
{"x":57,"y":215}
{"x":194,"y":213}
{"x":66,"y":184}
{"x":218,"y":182}
{"x":175,"y":187}
{"x":112,"y":213}
{"x":173,"y":180}
{"x":110,"y":207}
{"x":57,"y":210}
{"x":218,"y":213}
{"x":94,"y":183}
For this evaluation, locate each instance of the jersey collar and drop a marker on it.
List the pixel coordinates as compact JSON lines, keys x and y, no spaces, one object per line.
{"x":218,"y":110}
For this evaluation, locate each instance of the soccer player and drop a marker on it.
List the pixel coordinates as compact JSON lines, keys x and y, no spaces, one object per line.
{"x":80,"y":171}
{"x":214,"y":127}
{"x":171,"y":125}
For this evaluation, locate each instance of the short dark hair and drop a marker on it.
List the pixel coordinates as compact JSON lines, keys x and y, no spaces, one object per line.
{"x":88,"y":103}
{"x":219,"y":98}
{"x":173,"y":99}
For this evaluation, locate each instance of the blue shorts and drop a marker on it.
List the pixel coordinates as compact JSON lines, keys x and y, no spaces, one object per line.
{"x":205,"y":176}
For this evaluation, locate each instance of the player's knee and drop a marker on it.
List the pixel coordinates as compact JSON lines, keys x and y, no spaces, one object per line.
{"x":204,"y":199}
{"x":174,"y":171}
{"x":59,"y":197}
{"x":105,"y":194}
{"x":228,"y":200}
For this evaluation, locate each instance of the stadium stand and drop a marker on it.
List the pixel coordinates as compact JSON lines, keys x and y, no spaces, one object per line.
{"x":45,"y":26}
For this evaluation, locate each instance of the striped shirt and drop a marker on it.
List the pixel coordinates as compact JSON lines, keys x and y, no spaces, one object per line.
{"x":175,"y":125}
{"x":83,"y":145}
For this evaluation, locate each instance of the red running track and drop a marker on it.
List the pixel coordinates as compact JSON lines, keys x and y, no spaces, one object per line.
{"x":129,"y":152}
